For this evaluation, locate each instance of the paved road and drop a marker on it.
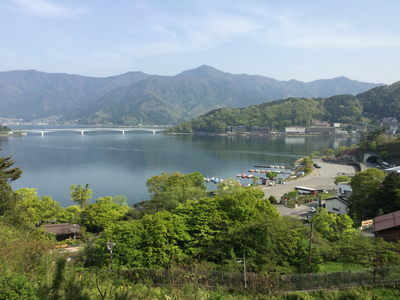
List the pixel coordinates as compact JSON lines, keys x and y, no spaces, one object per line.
{"x":318,"y":179}
{"x":301,"y":211}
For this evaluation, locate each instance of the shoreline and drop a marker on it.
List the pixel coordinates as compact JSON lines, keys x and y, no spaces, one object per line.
{"x":260,"y":134}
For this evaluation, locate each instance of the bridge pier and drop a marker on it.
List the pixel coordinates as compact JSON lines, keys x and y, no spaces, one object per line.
{"x":123,"y":131}
{"x":42,"y":133}
{"x":82,"y":132}
{"x":154,"y":132}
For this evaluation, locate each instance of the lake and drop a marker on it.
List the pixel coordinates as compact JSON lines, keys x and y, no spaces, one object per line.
{"x":115,"y":164}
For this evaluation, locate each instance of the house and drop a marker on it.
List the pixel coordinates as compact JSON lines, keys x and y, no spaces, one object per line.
{"x":321,"y":129}
{"x":257,"y":129}
{"x":336,"y":125}
{"x":389,"y":121}
{"x":337,"y":205}
{"x":239,"y":128}
{"x":344,"y":188}
{"x":63,"y":231}
{"x":295,"y":129}
{"x":387,"y":226}
{"x":337,"y":131}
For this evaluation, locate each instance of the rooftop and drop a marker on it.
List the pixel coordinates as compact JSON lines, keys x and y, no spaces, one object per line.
{"x":387,"y":221}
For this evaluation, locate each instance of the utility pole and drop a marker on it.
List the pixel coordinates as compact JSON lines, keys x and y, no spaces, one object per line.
{"x":309,"y":253}
{"x":88,"y":246}
{"x":244,"y":271}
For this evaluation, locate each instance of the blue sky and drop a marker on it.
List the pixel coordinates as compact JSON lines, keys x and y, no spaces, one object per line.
{"x":303,"y":40}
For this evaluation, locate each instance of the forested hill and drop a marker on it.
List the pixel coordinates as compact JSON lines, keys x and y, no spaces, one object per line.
{"x":137,"y":98}
{"x":372,"y":105}
{"x":175,"y":99}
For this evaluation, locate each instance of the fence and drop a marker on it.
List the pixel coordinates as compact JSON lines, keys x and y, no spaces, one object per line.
{"x":340,"y":279}
{"x":264,"y":284}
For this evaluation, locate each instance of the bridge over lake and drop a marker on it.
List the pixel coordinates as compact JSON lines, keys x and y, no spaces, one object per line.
{"x":91,"y":129}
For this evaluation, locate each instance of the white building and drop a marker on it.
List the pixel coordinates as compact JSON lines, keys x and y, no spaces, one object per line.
{"x":336,"y":125}
{"x":337,"y":205}
{"x":295,"y":129}
{"x":337,"y":131}
{"x":344,"y":188}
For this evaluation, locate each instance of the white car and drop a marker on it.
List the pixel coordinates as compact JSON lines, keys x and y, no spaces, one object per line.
{"x":312,"y":210}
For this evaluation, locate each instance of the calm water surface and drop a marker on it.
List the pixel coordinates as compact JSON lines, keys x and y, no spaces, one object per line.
{"x":115,"y":164}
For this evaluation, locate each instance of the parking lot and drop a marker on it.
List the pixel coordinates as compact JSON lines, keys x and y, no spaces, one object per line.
{"x":322,"y":178}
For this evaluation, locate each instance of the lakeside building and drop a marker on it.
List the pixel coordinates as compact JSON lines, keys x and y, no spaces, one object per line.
{"x":295,"y":129}
{"x":233,"y":129}
{"x":321,"y":129}
{"x":341,"y":131}
{"x":259,"y":129}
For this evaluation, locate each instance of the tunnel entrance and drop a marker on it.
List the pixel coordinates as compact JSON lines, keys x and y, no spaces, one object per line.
{"x":372,"y":159}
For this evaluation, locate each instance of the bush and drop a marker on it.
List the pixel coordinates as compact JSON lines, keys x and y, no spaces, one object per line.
{"x":272,"y":199}
{"x":15,"y":287}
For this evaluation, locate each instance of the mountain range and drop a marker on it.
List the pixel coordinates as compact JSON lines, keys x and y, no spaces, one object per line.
{"x":138,"y":98}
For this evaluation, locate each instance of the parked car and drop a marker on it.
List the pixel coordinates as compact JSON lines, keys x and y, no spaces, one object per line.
{"x":317,"y":166}
{"x":312,"y":210}
{"x":281,"y":182}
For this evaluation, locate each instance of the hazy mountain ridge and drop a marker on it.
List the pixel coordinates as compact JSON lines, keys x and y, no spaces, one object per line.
{"x":30,"y":94}
{"x":121,"y":99}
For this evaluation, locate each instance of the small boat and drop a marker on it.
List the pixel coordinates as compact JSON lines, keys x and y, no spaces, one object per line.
{"x":258,"y":171}
{"x":250,"y":176}
{"x":238,"y":175}
{"x":252,"y":171}
{"x":207,"y":179}
{"x":214,"y":180}
{"x":262,"y":171}
{"x":244,"y":175}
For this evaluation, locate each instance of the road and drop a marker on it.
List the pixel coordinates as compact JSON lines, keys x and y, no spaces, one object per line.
{"x":318,"y":179}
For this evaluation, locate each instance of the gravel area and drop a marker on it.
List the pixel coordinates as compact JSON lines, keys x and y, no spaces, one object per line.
{"x":319,"y":179}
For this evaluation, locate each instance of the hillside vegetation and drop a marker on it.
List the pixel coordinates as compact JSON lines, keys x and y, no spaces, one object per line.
{"x":375,"y":104}
{"x":137,"y":98}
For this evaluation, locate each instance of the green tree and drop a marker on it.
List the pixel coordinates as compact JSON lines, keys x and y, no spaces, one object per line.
{"x":341,"y":178}
{"x":101,"y":214}
{"x":271,"y":175}
{"x":366,"y":188}
{"x":388,"y":196}
{"x":266,"y":245}
{"x":204,"y":220}
{"x":11,"y":174}
{"x":272,"y":199}
{"x":332,"y":226}
{"x":314,"y":154}
{"x":81,"y":195}
{"x":70,"y":214}
{"x":327,"y":152}
{"x":370,"y":139}
{"x":160,"y":242}
{"x":8,"y":199}
{"x":39,"y":210}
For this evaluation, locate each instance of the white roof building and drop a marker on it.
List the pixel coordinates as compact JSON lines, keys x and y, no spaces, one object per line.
{"x":295,"y":129}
